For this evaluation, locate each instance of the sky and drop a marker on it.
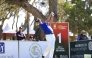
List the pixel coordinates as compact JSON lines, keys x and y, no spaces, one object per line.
{"x":22,"y":15}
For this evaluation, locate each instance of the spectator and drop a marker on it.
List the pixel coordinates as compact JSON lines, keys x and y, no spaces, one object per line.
{"x":31,"y":38}
{"x":82,"y":36}
{"x":20,"y":35}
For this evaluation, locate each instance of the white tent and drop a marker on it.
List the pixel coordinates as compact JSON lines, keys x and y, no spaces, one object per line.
{"x":7,"y":29}
{"x":70,"y":34}
{"x":31,"y":31}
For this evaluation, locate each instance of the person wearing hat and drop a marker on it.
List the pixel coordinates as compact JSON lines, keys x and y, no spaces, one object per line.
{"x":49,"y":34}
{"x":31,"y":38}
{"x":82,"y":36}
{"x":20,"y":35}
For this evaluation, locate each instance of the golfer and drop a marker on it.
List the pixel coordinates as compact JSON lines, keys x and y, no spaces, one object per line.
{"x":49,"y":34}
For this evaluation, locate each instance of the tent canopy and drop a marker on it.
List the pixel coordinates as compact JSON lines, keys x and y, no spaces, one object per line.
{"x":70,"y":34}
{"x":7,"y":29}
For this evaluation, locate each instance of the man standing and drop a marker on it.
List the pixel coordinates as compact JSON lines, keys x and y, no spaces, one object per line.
{"x":20,"y":35}
{"x":82,"y":36}
{"x":49,"y":34}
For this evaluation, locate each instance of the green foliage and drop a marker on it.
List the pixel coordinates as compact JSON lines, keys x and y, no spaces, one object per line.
{"x":8,"y":1}
{"x":78,"y":14}
{"x":61,"y":11}
{"x":7,"y":10}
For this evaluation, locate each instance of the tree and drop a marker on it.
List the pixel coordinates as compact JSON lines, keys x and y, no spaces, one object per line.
{"x":53,"y":7}
{"x":30,"y":8}
{"x":6,"y":11}
{"x":34,"y":11}
{"x":78,"y":15}
{"x":61,"y":13}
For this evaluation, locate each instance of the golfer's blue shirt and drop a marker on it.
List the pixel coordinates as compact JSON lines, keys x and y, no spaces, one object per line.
{"x":46,"y":28}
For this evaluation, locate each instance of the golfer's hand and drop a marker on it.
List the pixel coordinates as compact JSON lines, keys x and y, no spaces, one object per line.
{"x":52,"y":13}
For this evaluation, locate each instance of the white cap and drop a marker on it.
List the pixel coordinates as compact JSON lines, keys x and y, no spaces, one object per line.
{"x":83,"y":31}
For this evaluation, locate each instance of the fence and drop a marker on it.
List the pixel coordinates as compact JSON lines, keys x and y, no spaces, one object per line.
{"x":22,"y":49}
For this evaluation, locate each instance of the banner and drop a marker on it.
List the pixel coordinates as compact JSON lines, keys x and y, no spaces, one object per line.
{"x":61,"y":46}
{"x":8,"y":49}
{"x":81,"y":49}
{"x":32,"y":49}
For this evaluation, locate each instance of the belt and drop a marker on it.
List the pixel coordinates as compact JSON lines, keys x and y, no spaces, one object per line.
{"x":49,"y":33}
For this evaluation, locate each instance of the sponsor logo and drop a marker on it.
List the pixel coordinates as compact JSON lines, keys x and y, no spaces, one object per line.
{"x":90,"y":45}
{"x":35,"y":50}
{"x":2,"y":47}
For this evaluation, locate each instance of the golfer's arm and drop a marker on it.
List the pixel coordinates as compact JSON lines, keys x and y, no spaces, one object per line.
{"x":49,"y":18}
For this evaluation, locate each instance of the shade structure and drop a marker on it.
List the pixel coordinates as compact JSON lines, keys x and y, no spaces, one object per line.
{"x":7,"y":29}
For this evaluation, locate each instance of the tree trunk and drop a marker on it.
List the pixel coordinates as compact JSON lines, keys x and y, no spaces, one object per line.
{"x":53,"y":7}
{"x":13,"y":21}
{"x":34,"y":11}
{"x":30,"y":8}
{"x":1,"y":32}
{"x":28,"y":15}
{"x":16,"y":24}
